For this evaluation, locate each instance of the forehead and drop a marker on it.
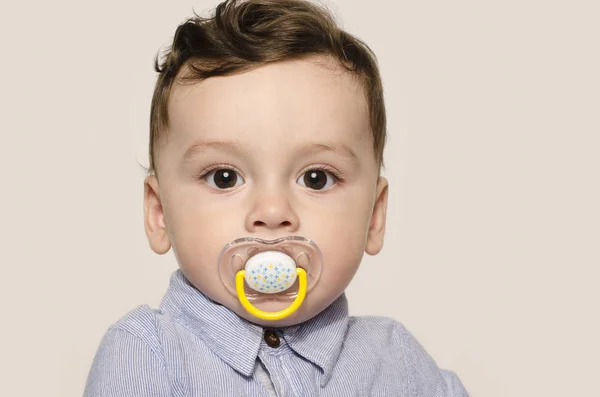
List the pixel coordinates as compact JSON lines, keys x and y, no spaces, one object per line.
{"x":290,"y":102}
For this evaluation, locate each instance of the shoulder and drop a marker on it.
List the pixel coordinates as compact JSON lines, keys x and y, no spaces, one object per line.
{"x":143,"y":325}
{"x":376,"y":327}
{"x":394,"y":335}
{"x":139,"y":333}
{"x":142,"y":322}
{"x":129,"y":355}
{"x":394,"y":343}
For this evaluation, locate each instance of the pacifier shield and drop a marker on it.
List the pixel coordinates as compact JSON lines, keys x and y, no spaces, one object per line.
{"x":247,"y":253}
{"x":270,"y":272}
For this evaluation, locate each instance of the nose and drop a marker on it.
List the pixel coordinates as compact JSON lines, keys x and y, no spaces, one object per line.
{"x":271,"y":212}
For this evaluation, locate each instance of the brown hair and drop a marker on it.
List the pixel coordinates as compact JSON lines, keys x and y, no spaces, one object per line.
{"x":242,"y":35}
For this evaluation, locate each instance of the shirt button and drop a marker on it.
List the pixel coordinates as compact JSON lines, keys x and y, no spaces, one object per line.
{"x":272,"y":338}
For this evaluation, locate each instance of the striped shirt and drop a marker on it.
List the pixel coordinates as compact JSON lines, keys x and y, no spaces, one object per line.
{"x":192,"y":346}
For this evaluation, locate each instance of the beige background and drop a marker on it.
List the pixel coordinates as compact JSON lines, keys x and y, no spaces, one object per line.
{"x":492,"y":253}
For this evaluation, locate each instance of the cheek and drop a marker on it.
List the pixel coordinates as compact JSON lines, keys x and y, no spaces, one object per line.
{"x":343,"y":224}
{"x":199,"y":232}
{"x":340,"y":263}
{"x":341,"y":234}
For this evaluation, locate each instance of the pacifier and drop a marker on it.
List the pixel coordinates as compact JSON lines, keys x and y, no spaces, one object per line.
{"x":256,"y":270}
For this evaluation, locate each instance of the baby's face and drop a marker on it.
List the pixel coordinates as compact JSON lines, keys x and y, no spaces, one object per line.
{"x":281,"y":150}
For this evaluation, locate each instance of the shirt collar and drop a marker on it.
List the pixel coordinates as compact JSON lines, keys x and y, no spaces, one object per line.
{"x":318,"y":340}
{"x":221,"y":329}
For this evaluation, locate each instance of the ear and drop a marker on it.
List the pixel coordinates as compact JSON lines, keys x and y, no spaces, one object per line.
{"x":154,"y":218}
{"x":377,"y":228}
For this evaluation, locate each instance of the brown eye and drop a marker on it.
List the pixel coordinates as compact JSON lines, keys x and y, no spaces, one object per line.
{"x":223,"y":178}
{"x":317,"y":180}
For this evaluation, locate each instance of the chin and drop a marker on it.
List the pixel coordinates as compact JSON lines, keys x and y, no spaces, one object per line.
{"x":292,"y":319}
{"x":304,"y":313}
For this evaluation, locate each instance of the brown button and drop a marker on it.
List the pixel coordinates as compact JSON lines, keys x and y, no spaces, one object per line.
{"x":272,"y":338}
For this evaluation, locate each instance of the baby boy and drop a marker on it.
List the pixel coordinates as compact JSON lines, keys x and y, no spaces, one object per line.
{"x":266,"y":140}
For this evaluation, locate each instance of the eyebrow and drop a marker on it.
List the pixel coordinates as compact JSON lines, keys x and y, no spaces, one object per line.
{"x":230,"y":146}
{"x":235,"y":147}
{"x":339,"y":149}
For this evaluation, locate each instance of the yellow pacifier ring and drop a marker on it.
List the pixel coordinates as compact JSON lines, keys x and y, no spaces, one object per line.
{"x":239,"y":286}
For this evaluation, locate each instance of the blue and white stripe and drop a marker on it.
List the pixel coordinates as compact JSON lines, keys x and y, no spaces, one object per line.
{"x":194,"y":347}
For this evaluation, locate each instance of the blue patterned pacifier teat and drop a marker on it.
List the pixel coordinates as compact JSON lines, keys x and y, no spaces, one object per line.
{"x":270,"y":272}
